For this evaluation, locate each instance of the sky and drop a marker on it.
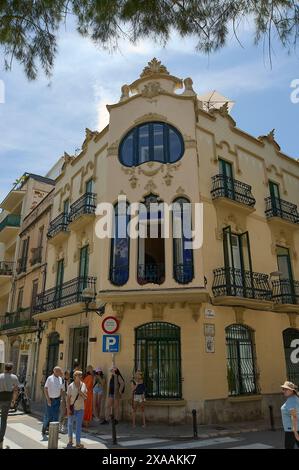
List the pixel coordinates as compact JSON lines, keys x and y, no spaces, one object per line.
{"x":40,"y":120}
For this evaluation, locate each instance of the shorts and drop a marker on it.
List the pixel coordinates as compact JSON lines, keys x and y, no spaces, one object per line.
{"x":98,"y":390}
{"x":138,"y":398}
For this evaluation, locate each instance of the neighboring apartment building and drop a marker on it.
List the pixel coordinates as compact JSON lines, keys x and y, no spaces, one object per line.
{"x":23,"y":235}
{"x":214,"y":329}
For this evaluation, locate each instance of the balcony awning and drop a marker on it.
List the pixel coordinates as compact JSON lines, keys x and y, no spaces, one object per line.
{"x":12,"y":200}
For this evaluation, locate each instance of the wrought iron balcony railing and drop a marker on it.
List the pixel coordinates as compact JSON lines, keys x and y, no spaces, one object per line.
{"x":86,"y":204}
{"x":285,"y":291}
{"x":59,"y":224}
{"x":276,"y":207}
{"x":11,"y":220}
{"x":66,"y":294}
{"x":6,"y":268}
{"x":36,"y":256}
{"x":238,"y":283}
{"x":21,"y":318}
{"x":225,"y":186}
{"x":154,"y":273}
{"x":183,"y":273}
{"x":21,"y":265}
{"x":119,"y":274}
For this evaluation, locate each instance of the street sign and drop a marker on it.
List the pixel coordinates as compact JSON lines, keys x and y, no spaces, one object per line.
{"x":110,"y":325}
{"x":111,"y":343}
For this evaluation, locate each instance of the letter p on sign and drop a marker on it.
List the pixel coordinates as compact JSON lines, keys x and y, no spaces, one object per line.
{"x":111,"y":343}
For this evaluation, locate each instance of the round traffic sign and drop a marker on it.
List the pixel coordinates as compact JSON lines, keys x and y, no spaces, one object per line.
{"x":110,"y":325}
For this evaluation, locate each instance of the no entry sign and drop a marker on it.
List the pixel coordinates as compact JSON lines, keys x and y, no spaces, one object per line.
{"x":110,"y":325}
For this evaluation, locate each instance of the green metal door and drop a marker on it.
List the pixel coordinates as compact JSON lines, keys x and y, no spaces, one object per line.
{"x":275,"y":198}
{"x":226,"y":169}
{"x":59,"y":282}
{"x":83,"y":268}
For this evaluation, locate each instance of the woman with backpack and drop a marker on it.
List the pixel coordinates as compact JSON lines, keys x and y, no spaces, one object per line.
{"x":114,"y":396}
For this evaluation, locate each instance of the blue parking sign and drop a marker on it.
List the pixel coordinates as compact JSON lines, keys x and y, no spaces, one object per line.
{"x":111,"y":343}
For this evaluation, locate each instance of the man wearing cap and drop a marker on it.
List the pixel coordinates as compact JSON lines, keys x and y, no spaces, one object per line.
{"x":8,"y":393}
{"x":290,"y":415}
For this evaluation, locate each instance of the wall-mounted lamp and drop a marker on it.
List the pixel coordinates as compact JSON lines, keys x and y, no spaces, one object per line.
{"x":88,"y":296}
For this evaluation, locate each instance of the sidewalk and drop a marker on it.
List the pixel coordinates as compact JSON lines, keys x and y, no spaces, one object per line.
{"x":174,"y":431}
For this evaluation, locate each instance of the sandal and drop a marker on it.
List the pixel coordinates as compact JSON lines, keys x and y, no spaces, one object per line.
{"x":80,"y":446}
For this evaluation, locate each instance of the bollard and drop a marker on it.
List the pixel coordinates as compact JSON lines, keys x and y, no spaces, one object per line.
{"x":271,"y":418}
{"x":53,"y":435}
{"x":194,"y":424}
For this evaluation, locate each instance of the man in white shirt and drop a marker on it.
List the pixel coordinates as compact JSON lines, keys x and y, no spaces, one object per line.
{"x":8,"y":393}
{"x":53,"y":390}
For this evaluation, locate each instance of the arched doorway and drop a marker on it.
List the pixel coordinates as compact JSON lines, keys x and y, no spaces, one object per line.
{"x":52,"y":355}
{"x":291,"y":351}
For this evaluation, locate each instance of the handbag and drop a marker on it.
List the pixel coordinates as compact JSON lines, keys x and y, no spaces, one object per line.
{"x":72,"y":407}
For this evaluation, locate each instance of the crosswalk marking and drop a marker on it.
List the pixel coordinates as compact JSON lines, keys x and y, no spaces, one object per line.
{"x":32,"y":433}
{"x":10,"y":444}
{"x":140,"y":442}
{"x":196,"y":444}
{"x":256,"y":445}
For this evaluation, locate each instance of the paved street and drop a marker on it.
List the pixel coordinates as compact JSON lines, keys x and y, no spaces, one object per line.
{"x":24,"y":432}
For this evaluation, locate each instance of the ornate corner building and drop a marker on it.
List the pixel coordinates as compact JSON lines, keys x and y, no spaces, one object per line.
{"x":214,"y":329}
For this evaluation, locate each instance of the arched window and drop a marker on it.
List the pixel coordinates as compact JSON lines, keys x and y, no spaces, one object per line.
{"x":151,"y":242}
{"x":183,"y":271}
{"x":158,"y":355}
{"x":291,"y":350}
{"x":120,"y":245}
{"x":151,"y":142}
{"x":241,"y":362}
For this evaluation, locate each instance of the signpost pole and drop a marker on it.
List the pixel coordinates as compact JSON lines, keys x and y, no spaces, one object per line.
{"x":114,"y":439}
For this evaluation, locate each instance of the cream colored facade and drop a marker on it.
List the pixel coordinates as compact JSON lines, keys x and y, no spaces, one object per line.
{"x":26,"y":212}
{"x":210,"y":298}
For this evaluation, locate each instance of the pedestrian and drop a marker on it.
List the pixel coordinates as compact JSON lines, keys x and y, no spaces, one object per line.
{"x":290,"y":415}
{"x":76,"y":395}
{"x":76,"y":366}
{"x":9,"y":384}
{"x":114,"y":395}
{"x":63,"y":408}
{"x":88,"y":380}
{"x":99,"y":386}
{"x":53,"y":390}
{"x":138,"y":397}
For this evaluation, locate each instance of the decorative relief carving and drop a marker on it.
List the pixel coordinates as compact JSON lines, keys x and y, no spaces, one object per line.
{"x":195,"y":310}
{"x":151,"y":90}
{"x":239,"y":315}
{"x":150,"y":186}
{"x":154,"y":67}
{"x":180,"y":190}
{"x":119,"y":310}
{"x":157,"y":311}
{"x":292,"y":320}
{"x":125,"y":93}
{"x":113,"y":149}
{"x":188,"y":82}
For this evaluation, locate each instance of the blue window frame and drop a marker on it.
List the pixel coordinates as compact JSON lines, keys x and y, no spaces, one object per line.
{"x":151,"y":142}
{"x":120,"y":246}
{"x":183,"y":270}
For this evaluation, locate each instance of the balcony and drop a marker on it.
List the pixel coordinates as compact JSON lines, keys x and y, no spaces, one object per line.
{"x":9,"y":227}
{"x":83,"y":210}
{"x":58,"y":229}
{"x":281,"y":212}
{"x":151,"y":273}
{"x":16,"y":320}
{"x":183,"y":273}
{"x":232,"y":193}
{"x":21,"y":265}
{"x":286,"y":295}
{"x":36,"y":257}
{"x":6,"y":271}
{"x":232,"y":286}
{"x":61,"y":296}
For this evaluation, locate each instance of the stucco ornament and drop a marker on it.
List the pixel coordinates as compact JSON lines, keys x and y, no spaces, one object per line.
{"x":154,"y":67}
{"x":188,"y":82}
{"x":125,"y":93}
{"x":151,"y":90}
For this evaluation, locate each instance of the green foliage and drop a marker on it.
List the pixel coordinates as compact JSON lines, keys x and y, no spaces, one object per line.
{"x":29,"y":29}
